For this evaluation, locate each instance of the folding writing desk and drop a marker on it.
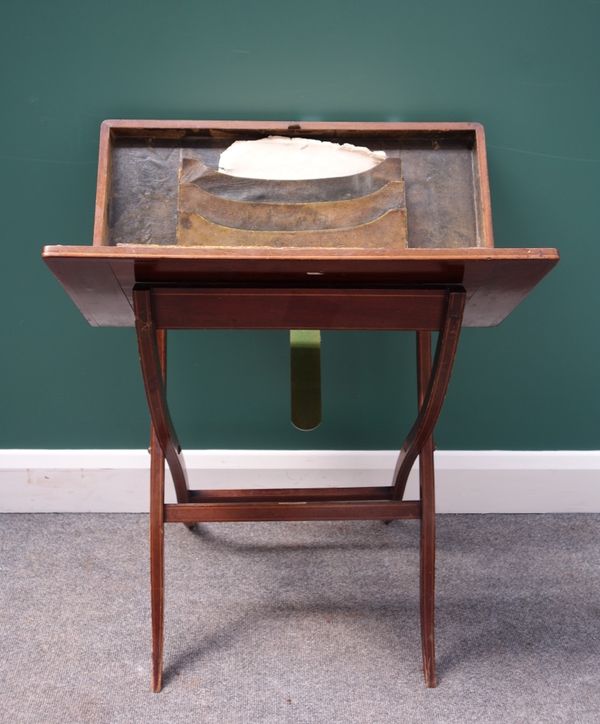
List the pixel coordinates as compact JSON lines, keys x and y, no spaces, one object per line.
{"x":157,"y":265}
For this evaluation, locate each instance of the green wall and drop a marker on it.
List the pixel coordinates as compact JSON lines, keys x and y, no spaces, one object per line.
{"x":527,"y":69}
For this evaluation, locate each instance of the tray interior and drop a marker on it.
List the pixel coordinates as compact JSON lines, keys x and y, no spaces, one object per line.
{"x":440,"y":169}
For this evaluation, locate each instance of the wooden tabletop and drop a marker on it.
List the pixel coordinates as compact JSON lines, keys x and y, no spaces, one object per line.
{"x":100,"y":279}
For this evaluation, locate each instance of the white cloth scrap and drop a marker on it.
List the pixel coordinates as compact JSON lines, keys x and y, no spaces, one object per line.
{"x":280,"y":157}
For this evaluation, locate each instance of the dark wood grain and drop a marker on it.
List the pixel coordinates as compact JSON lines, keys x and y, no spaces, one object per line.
{"x":232,"y":308}
{"x":447,"y":180}
{"x":158,"y":307}
{"x":94,"y":288}
{"x":427,"y":531}
{"x":286,"y":510}
{"x":157,"y":559}
{"x":157,"y":288}
{"x":101,"y":236}
{"x":437,"y":386}
{"x":100,"y":280}
{"x":154,"y":384}
{"x":179,"y":128}
{"x":483,"y":189}
{"x":299,"y":495}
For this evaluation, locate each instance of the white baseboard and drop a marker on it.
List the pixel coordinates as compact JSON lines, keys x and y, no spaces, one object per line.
{"x":48,"y":481}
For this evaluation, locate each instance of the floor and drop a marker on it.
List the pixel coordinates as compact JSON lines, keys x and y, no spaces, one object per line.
{"x":300,"y":622}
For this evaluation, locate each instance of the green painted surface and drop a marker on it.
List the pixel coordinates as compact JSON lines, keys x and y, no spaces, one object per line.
{"x":526,"y":69}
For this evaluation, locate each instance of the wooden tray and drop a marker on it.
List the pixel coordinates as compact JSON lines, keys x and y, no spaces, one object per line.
{"x":447,"y":211}
{"x":443,"y":167}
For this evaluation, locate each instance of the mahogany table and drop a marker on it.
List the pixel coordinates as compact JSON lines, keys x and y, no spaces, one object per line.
{"x":441,"y":281}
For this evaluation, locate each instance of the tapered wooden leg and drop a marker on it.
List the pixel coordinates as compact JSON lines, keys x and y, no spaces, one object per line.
{"x":432,"y":383}
{"x":157,"y":564}
{"x":427,"y":552}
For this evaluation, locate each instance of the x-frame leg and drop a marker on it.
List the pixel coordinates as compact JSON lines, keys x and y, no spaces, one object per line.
{"x":163,"y":442}
{"x":328,"y":504}
{"x":432,"y":385}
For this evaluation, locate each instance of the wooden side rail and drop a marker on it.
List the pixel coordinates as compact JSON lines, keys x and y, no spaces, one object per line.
{"x":291,"y":495}
{"x":285,"y":510}
{"x":312,"y":308}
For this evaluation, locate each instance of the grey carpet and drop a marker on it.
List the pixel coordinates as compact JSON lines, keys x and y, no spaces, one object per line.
{"x":300,"y":622}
